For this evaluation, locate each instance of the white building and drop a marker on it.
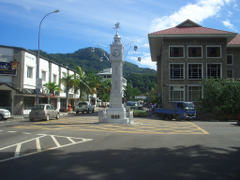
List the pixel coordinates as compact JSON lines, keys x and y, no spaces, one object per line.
{"x":107,"y":74}
{"x":18,"y":80}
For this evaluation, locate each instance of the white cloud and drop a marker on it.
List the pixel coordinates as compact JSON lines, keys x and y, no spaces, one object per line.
{"x":197,"y":12}
{"x":146,"y":60}
{"x":228,"y":24}
{"x":146,"y":45}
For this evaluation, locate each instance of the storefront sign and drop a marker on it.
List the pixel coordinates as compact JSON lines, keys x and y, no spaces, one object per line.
{"x":8,"y":68}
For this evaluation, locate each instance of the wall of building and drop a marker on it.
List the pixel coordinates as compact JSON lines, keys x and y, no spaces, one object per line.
{"x":164,"y":62}
{"x":235,"y":52}
{"x":62,"y":70}
{"x":29,"y":61}
{"x":55,"y":71}
{"x":71,"y":91}
{"x":44,"y":66}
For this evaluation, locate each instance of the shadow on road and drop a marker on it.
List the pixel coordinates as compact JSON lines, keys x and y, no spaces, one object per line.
{"x":180,"y":162}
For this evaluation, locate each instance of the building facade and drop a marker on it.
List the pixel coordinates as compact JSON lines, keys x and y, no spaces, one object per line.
{"x":189,"y":53}
{"x":107,"y":74}
{"x":18,"y":80}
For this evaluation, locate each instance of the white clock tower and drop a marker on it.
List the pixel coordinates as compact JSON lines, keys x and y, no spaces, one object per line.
{"x":117,"y":112}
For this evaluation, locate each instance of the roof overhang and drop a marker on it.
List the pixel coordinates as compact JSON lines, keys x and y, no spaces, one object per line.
{"x":233,"y":45}
{"x":231,"y":36}
{"x":5,"y":86}
{"x":155,"y":40}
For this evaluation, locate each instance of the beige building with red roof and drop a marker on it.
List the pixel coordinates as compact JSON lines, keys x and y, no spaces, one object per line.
{"x":187,"y":54}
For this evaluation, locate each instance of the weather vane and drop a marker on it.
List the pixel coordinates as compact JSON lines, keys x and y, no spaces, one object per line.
{"x":117,"y":26}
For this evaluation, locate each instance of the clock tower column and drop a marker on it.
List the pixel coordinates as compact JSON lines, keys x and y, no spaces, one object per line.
{"x":116,"y":58}
{"x":117,"y":112}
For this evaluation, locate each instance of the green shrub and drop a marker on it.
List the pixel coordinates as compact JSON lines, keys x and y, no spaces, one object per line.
{"x":139,"y":113}
{"x":221,"y":98}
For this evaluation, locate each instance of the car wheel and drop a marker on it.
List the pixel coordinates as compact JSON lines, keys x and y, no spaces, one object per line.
{"x":1,"y":117}
{"x":77,"y":112}
{"x":58,"y":116}
{"x":88,"y":111}
{"x":93,"y":111}
{"x":48,"y":118}
{"x":31,"y":119}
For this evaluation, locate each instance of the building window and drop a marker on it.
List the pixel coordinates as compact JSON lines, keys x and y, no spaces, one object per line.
{"x":55,"y":78}
{"x":230,"y":74}
{"x":229,"y":59}
{"x":44,"y":75}
{"x":176,"y":71}
{"x":29,"y":72}
{"x":195,"y":51}
{"x":195,"y":71}
{"x":176,"y":93}
{"x":194,"y":93}
{"x":214,"y":70}
{"x":176,"y":51}
{"x":213,"y":51}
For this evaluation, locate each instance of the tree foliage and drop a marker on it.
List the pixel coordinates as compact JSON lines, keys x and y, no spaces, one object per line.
{"x":131,"y":92}
{"x":221,"y":96}
{"x":68,"y":82}
{"x":81,"y":83}
{"x":104,"y":90}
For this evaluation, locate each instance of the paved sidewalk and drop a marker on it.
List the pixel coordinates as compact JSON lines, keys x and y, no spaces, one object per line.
{"x":62,"y":114}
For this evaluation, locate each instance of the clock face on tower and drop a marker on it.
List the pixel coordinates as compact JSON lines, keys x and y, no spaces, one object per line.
{"x":115,"y":52}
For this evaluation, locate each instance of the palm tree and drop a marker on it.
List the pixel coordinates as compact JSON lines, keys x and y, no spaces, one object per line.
{"x":81,"y":82}
{"x":68,"y":82}
{"x":104,"y":90}
{"x":51,"y":87}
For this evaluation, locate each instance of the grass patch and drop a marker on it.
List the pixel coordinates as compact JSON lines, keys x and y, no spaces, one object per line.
{"x":139,"y":113}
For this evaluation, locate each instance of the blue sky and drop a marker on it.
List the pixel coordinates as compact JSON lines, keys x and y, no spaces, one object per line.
{"x":89,"y":23}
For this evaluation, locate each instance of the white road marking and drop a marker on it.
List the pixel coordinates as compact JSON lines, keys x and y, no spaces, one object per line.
{"x":71,"y":140}
{"x":26,"y":133}
{"x":18,"y":149}
{"x":11,"y":131}
{"x":1,"y":130}
{"x":38,"y":145}
{"x":19,"y":143}
{"x":55,"y":141}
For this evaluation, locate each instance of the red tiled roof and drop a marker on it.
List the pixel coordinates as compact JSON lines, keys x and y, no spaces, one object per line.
{"x":190,"y":31}
{"x":235,"y":40}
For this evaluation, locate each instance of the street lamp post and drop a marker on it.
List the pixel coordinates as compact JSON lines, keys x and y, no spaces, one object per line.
{"x":38,"y":82}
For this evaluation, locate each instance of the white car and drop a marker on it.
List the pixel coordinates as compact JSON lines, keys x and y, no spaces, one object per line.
{"x":84,"y":107}
{"x":4,"y":114}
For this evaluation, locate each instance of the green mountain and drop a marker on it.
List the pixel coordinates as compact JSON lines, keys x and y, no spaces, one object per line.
{"x":96,"y":59}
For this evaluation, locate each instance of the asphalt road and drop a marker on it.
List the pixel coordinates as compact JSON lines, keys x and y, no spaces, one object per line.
{"x":78,"y":147}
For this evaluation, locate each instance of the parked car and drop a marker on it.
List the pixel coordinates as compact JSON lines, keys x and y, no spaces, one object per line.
{"x":131,"y":105}
{"x":84,"y":107}
{"x":4,"y":114}
{"x":43,"y":112}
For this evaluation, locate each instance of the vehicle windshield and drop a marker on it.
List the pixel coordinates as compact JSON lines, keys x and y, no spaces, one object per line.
{"x":131,"y":103}
{"x":82,"y":104}
{"x":38,"y":107}
{"x":189,"y":106}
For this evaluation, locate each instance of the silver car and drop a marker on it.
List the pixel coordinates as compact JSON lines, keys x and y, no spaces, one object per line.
{"x":43,"y":112}
{"x":84,"y":107}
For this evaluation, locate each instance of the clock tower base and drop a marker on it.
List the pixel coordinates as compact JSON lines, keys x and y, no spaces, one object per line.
{"x":116,"y":116}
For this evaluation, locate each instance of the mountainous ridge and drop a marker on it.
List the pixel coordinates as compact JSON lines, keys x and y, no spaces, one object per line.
{"x":94,"y":60}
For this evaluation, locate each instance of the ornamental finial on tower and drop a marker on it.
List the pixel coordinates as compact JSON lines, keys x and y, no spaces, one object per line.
{"x":117,"y":26}
{"x":117,"y":38}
